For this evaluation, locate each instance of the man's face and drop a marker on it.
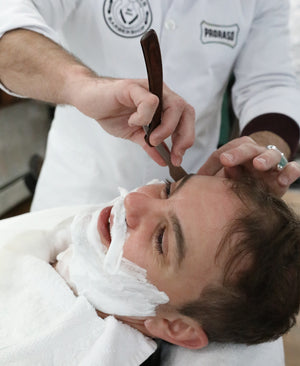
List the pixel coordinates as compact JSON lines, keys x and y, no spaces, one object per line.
{"x":174,"y":232}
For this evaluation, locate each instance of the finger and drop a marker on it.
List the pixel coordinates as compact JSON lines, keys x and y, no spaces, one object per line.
{"x":183,"y":136}
{"x":171,"y":116}
{"x":154,"y":154}
{"x":214,"y":164}
{"x":289,"y":174}
{"x":267,"y":160}
{"x":138,"y":137}
{"x":145,"y":102}
{"x":241,"y":154}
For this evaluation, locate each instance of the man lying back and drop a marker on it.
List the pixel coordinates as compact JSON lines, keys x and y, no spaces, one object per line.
{"x":196,"y":261}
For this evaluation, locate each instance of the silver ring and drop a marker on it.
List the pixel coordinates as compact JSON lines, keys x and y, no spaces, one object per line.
{"x":283,"y":161}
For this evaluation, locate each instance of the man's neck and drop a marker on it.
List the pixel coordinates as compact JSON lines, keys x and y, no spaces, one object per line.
{"x":136,"y":323}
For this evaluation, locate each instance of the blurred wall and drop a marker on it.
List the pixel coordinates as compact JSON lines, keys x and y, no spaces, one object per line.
{"x":24,"y":125}
{"x":295,"y":34}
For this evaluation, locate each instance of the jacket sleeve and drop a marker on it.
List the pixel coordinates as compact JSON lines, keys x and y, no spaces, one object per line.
{"x":265,"y":82}
{"x":42,"y":16}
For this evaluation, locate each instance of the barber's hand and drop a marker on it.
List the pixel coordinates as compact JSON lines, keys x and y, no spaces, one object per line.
{"x":123,"y":107}
{"x":233,"y":158}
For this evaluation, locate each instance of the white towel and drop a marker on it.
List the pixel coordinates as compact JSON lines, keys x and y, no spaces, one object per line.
{"x":215,"y":354}
{"x":43,"y":323}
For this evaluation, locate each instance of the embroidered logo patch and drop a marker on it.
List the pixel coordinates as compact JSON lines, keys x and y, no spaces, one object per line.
{"x":127,"y":18}
{"x":224,"y":34}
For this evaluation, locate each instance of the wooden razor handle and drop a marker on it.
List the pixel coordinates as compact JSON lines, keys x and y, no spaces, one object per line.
{"x":152,"y":56}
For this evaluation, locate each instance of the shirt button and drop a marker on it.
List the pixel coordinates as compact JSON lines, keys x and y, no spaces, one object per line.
{"x":170,"y":24}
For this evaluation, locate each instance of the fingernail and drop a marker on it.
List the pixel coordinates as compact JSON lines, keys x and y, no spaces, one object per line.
{"x":228,"y":156}
{"x":283,"y":180}
{"x":262,"y":161}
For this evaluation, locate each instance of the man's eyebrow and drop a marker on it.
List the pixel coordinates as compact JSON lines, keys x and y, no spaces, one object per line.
{"x":179,"y":237}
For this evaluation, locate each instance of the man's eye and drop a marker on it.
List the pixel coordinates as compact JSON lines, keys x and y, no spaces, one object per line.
{"x":159,"y":240}
{"x":167,"y":189}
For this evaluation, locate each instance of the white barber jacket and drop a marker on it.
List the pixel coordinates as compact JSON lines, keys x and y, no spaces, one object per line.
{"x":202,"y":42}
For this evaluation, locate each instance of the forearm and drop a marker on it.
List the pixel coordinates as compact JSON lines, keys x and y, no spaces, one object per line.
{"x":34,"y":66}
{"x":274,"y":129}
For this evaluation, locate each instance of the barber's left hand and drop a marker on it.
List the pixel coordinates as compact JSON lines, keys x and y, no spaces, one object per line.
{"x":244,"y":154}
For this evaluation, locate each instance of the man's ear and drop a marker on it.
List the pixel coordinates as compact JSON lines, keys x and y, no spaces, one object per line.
{"x":181,"y":331}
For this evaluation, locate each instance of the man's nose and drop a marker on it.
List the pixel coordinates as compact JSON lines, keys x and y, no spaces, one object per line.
{"x":138,"y":207}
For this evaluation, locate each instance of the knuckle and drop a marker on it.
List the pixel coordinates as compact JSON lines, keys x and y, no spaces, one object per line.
{"x":246,"y":140}
{"x":167,"y":130}
{"x":129,"y":86}
{"x":179,"y":102}
{"x":190,"y":110}
{"x":126,"y":83}
{"x":191,"y":139}
{"x":189,"y":143}
{"x":185,"y":143}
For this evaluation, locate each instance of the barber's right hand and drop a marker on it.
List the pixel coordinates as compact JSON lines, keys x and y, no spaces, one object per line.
{"x":123,"y":106}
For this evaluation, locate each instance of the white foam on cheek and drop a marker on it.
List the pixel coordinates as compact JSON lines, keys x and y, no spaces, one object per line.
{"x":119,"y":231}
{"x":118,"y":235}
{"x":111,"y":283}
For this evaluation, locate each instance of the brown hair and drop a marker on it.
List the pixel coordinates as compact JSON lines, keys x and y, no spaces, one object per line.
{"x":259,"y":296}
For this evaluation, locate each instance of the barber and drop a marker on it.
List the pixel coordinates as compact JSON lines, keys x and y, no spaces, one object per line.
{"x":202,"y":43}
